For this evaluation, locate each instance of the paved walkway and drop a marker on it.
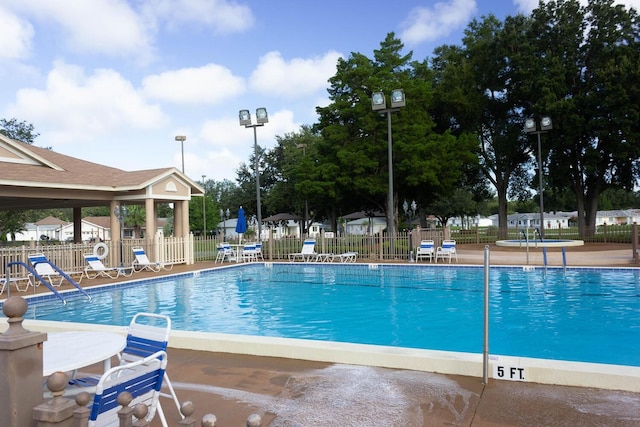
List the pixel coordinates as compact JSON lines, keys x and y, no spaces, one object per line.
{"x":288,"y":392}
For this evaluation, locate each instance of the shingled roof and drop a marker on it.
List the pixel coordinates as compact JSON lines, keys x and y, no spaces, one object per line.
{"x":33,"y":177}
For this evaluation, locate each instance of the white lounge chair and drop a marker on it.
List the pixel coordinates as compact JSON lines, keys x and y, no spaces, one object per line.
{"x":96,"y":268}
{"x":142,"y":378}
{"x":347,"y":257}
{"x":225,"y":253}
{"x":248,"y":253}
{"x":46,"y":269}
{"x":16,"y":281}
{"x":148,"y":334}
{"x":142,"y":262}
{"x":308,"y":252}
{"x":447,"y":250}
{"x":426,"y":250}
{"x":259,"y":255}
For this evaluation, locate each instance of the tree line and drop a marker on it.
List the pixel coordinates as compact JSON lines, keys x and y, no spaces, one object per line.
{"x":459,"y":145}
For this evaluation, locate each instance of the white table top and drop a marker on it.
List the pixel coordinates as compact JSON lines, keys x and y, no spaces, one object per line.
{"x":68,"y":351}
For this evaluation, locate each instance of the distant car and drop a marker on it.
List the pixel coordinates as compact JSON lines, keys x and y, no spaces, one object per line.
{"x":44,"y":237}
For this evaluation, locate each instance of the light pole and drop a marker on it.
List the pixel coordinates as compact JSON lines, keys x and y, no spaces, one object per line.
{"x":410,"y":211}
{"x":245,"y":120}
{"x":182,"y":139}
{"x":306,"y":201}
{"x":531,"y":127}
{"x":379,"y":103}
{"x":224,"y":216}
{"x":121,"y":212}
{"x":204,"y":213}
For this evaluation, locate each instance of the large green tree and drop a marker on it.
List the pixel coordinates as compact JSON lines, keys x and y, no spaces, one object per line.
{"x":426,"y":164}
{"x":583,"y":71}
{"x":473,"y":96}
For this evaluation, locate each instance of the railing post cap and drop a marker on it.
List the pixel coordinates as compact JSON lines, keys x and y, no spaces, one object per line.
{"x":14,"y":306}
{"x":187,"y":408}
{"x":209,"y":420}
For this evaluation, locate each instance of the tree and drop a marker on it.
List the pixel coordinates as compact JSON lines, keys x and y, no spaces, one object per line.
{"x":474,"y":97}
{"x":583,"y":72}
{"x":20,"y":131}
{"x":426,"y":164}
{"x":136,"y":217}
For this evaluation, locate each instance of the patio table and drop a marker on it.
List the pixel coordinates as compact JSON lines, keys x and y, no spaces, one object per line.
{"x":69,"y":351}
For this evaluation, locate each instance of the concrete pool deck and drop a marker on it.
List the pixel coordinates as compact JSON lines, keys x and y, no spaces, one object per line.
{"x":287,"y":391}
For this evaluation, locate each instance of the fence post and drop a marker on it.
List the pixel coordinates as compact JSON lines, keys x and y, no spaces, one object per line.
{"x":20,"y":367}
{"x":58,"y":411}
{"x":604,"y":231}
{"x":634,"y":242}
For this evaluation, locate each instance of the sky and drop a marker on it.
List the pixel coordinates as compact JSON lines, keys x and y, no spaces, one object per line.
{"x":114,"y":81}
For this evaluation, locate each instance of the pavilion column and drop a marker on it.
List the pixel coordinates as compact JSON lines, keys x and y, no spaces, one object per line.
{"x":177,"y":219}
{"x":185,"y":218}
{"x":150,"y":222}
{"x":115,"y":233}
{"x":77,"y":225}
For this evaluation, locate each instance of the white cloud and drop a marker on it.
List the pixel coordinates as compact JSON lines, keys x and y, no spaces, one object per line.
{"x":223,"y":16}
{"x":295,"y":78}
{"x":107,"y":27}
{"x":209,"y":84}
{"x":76,"y":106}
{"x":17,"y":35}
{"x":429,"y":24}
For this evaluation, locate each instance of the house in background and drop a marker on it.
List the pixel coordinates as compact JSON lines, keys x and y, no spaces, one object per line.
{"x":618,"y":217}
{"x":366,"y":226}
{"x":45,"y":229}
{"x":94,"y":228}
{"x":532,"y":220}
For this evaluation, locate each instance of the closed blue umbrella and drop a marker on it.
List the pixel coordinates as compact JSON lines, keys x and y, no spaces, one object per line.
{"x":241,"y":225}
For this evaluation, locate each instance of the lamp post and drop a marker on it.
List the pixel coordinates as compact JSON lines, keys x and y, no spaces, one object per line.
{"x":245,"y":120}
{"x":224,"y":216}
{"x":379,"y":103}
{"x":204,"y":213}
{"x":410,"y":210}
{"x":531,"y":127}
{"x":306,"y":201}
{"x":121,"y":212}
{"x":182,"y":139}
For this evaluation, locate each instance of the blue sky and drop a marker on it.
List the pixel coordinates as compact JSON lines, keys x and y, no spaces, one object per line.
{"x":114,"y":81}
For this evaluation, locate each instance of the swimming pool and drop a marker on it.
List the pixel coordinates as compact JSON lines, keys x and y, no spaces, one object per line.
{"x":588,"y":315}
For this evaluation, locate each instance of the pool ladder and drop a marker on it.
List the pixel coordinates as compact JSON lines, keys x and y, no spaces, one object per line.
{"x":544,"y":249}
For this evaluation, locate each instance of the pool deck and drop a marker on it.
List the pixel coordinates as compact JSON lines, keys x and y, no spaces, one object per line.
{"x":287,"y":391}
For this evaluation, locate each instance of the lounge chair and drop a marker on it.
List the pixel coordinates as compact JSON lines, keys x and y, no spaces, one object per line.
{"x":142,"y":378}
{"x":447,"y":250}
{"x":45,"y":269}
{"x":248,"y":252}
{"x":426,"y":250}
{"x":347,"y":257}
{"x":225,"y":253}
{"x":147,"y":335}
{"x":15,"y":281}
{"x":142,"y":262}
{"x":259,"y":255}
{"x":95,"y":268}
{"x":308,"y":252}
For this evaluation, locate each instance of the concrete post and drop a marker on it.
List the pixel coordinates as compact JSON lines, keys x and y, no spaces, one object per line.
{"x":187,"y":409}
{"x":20,"y":367}
{"x":57,"y":411}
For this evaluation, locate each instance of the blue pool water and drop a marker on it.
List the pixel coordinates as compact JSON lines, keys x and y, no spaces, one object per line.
{"x":589,"y":315}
